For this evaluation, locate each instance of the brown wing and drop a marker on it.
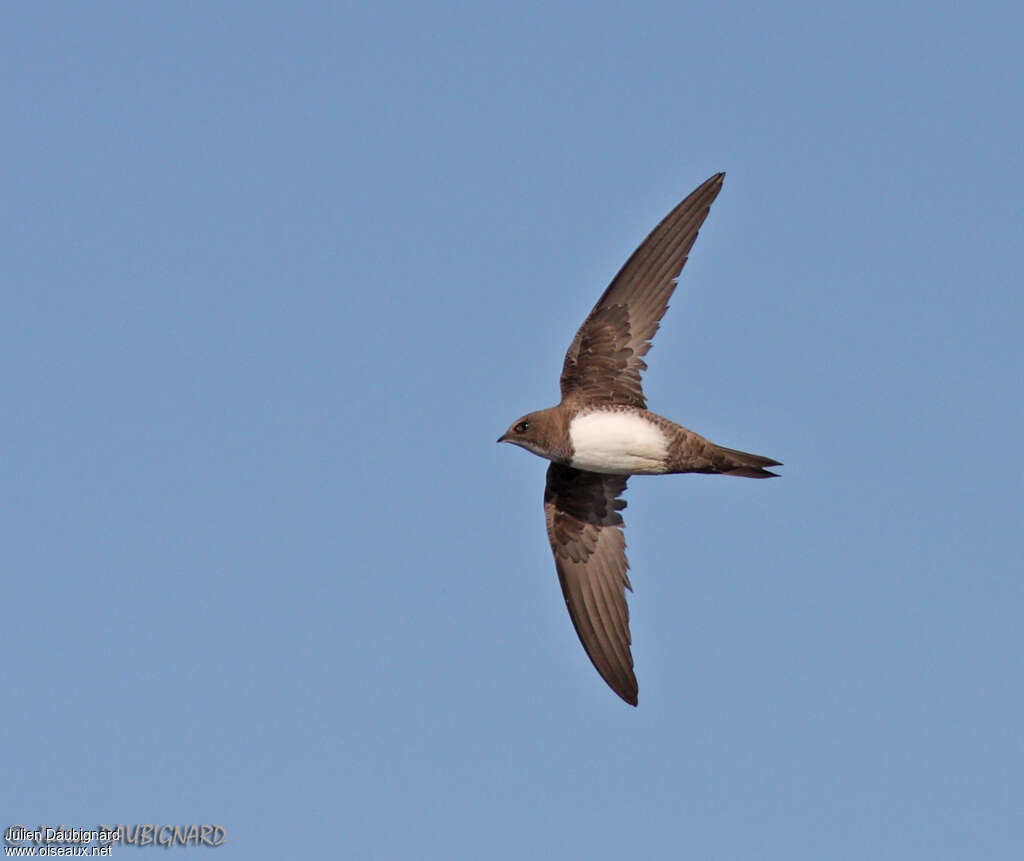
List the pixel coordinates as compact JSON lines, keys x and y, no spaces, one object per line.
{"x":604,"y":362}
{"x":585,"y":530}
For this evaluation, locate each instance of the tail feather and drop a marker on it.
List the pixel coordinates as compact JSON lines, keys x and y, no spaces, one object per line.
{"x":729,"y":461}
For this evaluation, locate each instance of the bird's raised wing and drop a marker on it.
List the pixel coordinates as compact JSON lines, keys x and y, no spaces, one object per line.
{"x":585,"y":531}
{"x":603,"y":364}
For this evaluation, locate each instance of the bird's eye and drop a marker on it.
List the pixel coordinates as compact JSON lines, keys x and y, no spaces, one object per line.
{"x":522,"y":427}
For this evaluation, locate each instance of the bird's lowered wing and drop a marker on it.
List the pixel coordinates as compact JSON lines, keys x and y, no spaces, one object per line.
{"x":585,"y":531}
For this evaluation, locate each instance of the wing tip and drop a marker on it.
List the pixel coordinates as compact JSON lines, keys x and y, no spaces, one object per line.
{"x":716,"y":179}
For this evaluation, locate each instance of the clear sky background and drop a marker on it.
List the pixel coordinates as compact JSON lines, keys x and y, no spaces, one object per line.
{"x":275,"y":276}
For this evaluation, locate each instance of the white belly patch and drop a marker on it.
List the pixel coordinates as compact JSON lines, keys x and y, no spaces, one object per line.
{"x":617,"y":442}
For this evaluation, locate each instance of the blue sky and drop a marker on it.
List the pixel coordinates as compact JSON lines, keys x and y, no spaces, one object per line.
{"x":273,"y":279}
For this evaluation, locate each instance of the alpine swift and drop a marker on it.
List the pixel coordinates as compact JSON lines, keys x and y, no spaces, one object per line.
{"x":602,"y":432}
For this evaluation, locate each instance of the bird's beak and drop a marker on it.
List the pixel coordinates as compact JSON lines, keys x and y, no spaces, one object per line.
{"x":503,"y":438}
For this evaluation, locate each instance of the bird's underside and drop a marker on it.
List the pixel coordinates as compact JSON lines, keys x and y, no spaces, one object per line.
{"x":601,"y":433}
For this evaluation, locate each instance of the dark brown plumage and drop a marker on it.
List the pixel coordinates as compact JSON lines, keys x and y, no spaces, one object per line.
{"x":603,"y":363}
{"x":602,"y":432}
{"x":585,"y":530}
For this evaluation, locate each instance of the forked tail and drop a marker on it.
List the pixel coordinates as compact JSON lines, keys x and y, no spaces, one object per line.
{"x":729,"y":461}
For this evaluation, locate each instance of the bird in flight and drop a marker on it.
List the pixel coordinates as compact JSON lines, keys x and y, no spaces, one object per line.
{"x":602,"y":432}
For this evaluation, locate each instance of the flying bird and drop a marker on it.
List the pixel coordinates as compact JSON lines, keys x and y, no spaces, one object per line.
{"x":602,"y":432}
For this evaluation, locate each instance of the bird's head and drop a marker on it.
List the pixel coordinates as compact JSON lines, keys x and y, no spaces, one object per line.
{"x":535,"y":433}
